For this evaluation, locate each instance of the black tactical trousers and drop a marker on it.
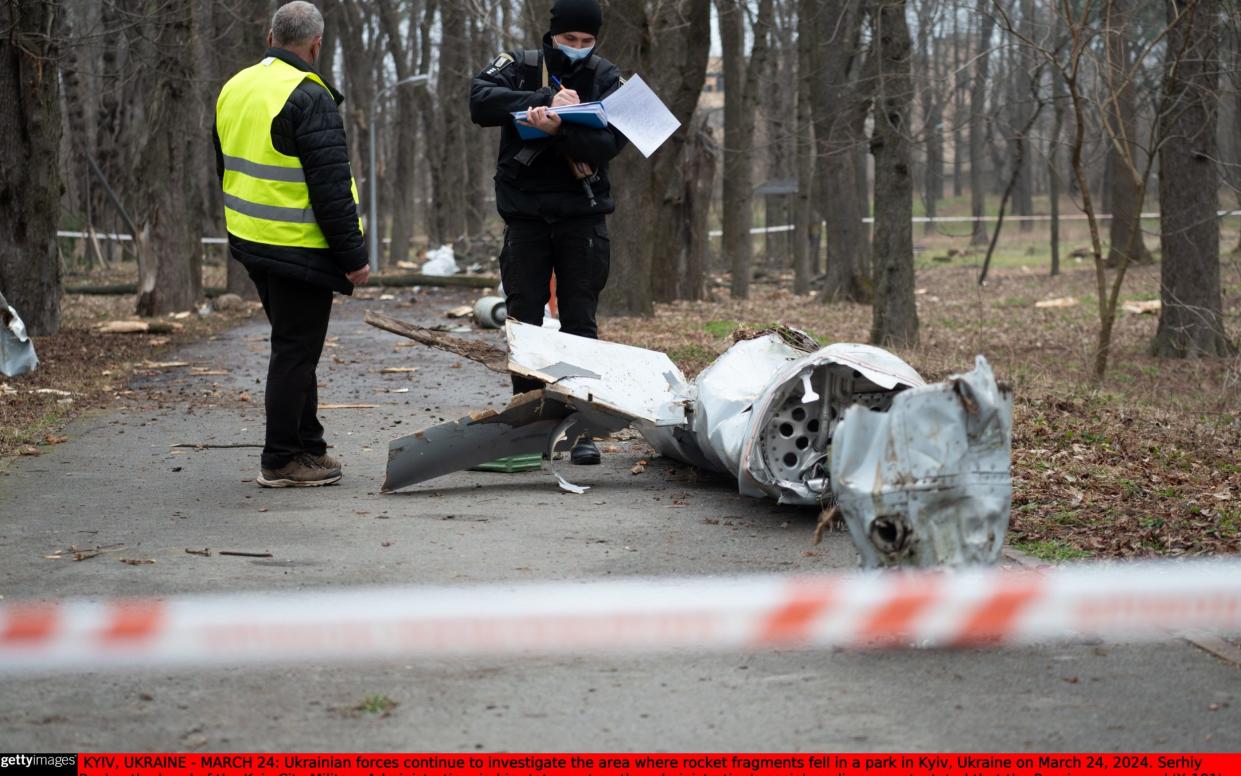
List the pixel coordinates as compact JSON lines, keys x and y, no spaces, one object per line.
{"x":578,"y":251}
{"x":299,"y":314}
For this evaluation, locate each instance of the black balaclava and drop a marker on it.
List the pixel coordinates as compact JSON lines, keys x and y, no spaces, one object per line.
{"x":576,"y":16}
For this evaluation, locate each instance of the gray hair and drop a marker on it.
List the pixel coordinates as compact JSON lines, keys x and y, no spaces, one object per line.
{"x":296,"y":24}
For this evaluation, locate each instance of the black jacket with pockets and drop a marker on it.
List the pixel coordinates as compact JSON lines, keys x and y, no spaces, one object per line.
{"x":311,"y":128}
{"x":539,"y":183}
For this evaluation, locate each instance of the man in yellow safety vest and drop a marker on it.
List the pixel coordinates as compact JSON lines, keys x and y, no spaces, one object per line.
{"x":291,"y":205}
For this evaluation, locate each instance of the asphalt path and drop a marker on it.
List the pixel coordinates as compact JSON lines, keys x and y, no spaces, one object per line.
{"x":119,"y":483}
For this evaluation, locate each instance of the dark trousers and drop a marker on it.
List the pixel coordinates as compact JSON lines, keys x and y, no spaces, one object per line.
{"x":299,"y":314}
{"x":578,"y":251}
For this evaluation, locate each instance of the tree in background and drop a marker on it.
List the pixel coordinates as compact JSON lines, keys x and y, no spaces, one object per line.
{"x":1125,"y":154}
{"x":740,"y":98}
{"x":173,"y":152}
{"x":978,"y":122}
{"x":30,"y":184}
{"x":803,"y":262}
{"x":895,"y":320}
{"x":841,"y":104}
{"x":667,"y":42}
{"x":1190,"y":322}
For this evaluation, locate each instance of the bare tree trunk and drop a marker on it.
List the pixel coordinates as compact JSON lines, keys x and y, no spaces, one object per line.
{"x":959,"y":147}
{"x":840,"y":109}
{"x":238,"y":30}
{"x":30,"y":123}
{"x":1124,"y":154}
{"x":932,"y":115}
{"x":978,"y":124}
{"x":670,"y":42}
{"x":1190,"y":323}
{"x":403,"y":182}
{"x":79,"y":96}
{"x":740,"y":98}
{"x":1053,"y":166}
{"x":895,"y":308}
{"x":537,"y":13}
{"x":1026,"y":88}
{"x":805,"y":146}
{"x":702,"y":159}
{"x":171,"y":156}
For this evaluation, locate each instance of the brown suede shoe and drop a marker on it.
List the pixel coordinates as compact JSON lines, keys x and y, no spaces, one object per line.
{"x":301,"y":472}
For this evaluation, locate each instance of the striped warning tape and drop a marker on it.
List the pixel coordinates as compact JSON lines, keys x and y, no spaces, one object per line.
{"x":1145,"y":601}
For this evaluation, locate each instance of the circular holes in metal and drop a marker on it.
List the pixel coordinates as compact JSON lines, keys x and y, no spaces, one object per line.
{"x":786,"y":440}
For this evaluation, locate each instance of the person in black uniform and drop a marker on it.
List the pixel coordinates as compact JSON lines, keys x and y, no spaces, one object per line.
{"x":553,"y":222}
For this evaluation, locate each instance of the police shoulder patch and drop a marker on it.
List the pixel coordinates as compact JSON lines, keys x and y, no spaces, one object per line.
{"x":502,"y":61}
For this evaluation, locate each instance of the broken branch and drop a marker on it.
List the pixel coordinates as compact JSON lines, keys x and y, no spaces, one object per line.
{"x":491,"y":357}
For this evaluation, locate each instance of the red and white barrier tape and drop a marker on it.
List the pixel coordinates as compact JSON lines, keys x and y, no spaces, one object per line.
{"x":1135,"y":602}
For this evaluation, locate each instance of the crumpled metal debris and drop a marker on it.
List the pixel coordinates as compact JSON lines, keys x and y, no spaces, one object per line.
{"x":766,"y":410}
{"x":928,"y":482}
{"x":920,"y":472}
{"x":17,"y":356}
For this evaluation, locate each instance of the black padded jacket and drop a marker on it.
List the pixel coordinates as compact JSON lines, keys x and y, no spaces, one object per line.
{"x":311,"y":128}
{"x":533,"y":178}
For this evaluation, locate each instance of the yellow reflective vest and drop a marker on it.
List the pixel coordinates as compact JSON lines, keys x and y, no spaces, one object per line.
{"x":266,"y":199}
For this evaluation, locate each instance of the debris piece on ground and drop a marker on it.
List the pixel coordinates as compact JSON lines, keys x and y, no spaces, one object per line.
{"x":137,"y":327}
{"x":491,"y":312}
{"x":348,"y":406}
{"x":927,"y":481}
{"x":440,"y":262}
{"x":204,"y":552}
{"x":1063,"y":301}
{"x":464,"y":311}
{"x":1152,"y":307}
{"x":489,"y":356}
{"x":53,"y":439}
{"x":206,"y":446}
{"x":137,"y":561}
{"x":398,"y":370}
{"x":17,"y":356}
{"x":789,"y":419}
{"x":201,"y":372}
{"x":164,"y":364}
{"x":240,"y":554}
{"x":229,"y":302}
{"x":84,"y":553}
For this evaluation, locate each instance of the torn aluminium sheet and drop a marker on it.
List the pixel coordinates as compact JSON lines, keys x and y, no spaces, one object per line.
{"x":17,"y":356}
{"x":920,"y":472}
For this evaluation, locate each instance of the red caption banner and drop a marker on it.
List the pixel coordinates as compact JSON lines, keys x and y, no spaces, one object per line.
{"x":701,"y":764}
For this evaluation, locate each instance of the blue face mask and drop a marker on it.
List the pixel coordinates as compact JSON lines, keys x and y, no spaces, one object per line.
{"x":575,"y":54}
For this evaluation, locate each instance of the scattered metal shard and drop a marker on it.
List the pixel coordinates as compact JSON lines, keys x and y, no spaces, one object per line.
{"x":920,"y":472}
{"x":928,"y":482}
{"x":17,"y":356}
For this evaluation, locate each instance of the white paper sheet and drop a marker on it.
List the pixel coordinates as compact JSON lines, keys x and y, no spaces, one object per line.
{"x":640,"y":115}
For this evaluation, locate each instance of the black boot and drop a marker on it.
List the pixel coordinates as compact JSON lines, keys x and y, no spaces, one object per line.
{"x":585,"y":452}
